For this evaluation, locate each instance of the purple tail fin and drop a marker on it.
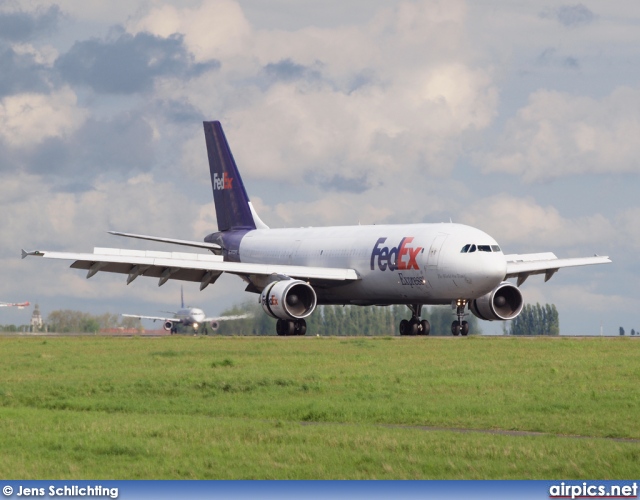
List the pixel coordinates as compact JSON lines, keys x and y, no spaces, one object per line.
{"x":229,"y":195}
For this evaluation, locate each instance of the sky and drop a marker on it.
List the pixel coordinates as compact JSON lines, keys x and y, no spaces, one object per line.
{"x":519,"y":118}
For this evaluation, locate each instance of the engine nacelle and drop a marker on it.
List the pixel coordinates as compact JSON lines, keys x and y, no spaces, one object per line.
{"x":502,"y":303}
{"x":288,"y":299}
{"x":168,"y":325}
{"x":214,"y":325}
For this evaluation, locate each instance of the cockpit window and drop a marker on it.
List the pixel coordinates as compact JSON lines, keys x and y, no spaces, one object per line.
{"x":480,"y":248}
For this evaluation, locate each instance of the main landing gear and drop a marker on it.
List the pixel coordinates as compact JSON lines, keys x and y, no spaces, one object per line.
{"x":291,"y":327}
{"x":460,"y":327}
{"x":416,"y":325}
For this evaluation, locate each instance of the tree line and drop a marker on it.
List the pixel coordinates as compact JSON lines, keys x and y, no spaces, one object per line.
{"x":326,"y":321}
{"x":536,"y":320}
{"x":69,"y":321}
{"x":344,"y":321}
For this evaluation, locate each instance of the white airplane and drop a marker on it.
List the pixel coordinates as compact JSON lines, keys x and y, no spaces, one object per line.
{"x":19,"y":305}
{"x":294,"y":269}
{"x":187,"y":316}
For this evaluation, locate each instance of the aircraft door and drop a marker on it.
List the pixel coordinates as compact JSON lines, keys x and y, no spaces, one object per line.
{"x":434,"y":252}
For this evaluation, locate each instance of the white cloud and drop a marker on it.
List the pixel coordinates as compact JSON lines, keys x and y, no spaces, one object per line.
{"x":77,"y":221}
{"x":27,"y":119}
{"x":43,"y":54}
{"x":399,"y":95}
{"x":628,"y":225}
{"x":559,"y":134}
{"x":330,"y":210}
{"x":583,"y":296}
{"x":521,"y":221}
{"x":213,"y":30}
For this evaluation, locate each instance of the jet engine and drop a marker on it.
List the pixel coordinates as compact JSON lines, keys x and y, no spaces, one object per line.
{"x":288,"y":299}
{"x":168,"y":325}
{"x":214,"y":325}
{"x":502,"y":303}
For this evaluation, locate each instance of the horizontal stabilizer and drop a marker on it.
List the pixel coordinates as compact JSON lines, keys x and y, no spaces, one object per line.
{"x":209,"y":246}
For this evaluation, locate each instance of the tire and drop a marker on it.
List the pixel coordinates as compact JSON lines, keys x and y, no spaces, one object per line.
{"x":414,"y":327}
{"x":404,"y":327}
{"x":455,"y":328}
{"x":300,"y":327}
{"x":284,"y":327}
{"x":464,"y":330}
{"x":425,"y":327}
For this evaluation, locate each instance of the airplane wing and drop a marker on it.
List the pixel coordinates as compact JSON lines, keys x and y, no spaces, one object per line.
{"x":522,"y":266}
{"x":154,"y":318}
{"x":227,"y":318}
{"x":203,"y":268}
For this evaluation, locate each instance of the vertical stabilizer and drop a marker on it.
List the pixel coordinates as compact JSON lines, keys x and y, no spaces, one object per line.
{"x":232,"y":203}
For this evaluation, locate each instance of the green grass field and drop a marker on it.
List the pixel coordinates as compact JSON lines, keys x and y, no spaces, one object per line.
{"x":319,"y":408}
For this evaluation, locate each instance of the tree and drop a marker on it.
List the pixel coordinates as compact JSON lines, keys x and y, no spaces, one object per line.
{"x":621,"y":331}
{"x":68,"y":321}
{"x":536,"y":320}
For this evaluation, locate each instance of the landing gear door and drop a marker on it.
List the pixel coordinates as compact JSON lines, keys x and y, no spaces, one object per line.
{"x":434,"y":252}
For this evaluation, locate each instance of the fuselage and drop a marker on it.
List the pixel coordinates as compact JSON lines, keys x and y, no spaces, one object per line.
{"x":190,"y":315}
{"x":412,"y":263}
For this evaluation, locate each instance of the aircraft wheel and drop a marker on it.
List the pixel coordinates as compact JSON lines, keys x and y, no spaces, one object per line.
{"x":464,"y":330}
{"x":455,"y":328}
{"x":289,"y":327}
{"x":285,"y":327}
{"x":414,"y":326}
{"x":404,"y":327}
{"x":425,"y":327}
{"x":300,"y":327}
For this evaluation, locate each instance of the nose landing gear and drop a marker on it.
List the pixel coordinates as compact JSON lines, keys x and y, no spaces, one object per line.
{"x":460,"y":327}
{"x":416,"y":325}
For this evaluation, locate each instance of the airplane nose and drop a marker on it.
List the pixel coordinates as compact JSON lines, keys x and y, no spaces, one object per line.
{"x":482,"y":271}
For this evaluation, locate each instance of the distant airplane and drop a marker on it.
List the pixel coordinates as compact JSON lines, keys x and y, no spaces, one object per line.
{"x":295,"y":269}
{"x":19,"y":305}
{"x":188,"y":316}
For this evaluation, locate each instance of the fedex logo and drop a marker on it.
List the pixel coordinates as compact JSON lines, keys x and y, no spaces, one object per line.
{"x":272,"y":301}
{"x":401,"y":257}
{"x":220,"y":183}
